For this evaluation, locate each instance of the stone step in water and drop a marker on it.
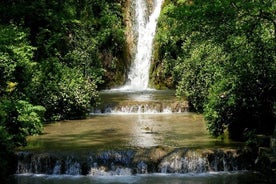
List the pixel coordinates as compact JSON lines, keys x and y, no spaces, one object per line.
{"x":128,"y":162}
{"x":141,"y":108}
{"x":141,"y":102}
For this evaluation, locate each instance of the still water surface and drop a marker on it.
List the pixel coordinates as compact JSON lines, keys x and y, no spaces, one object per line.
{"x":126,"y":131}
{"x":242,"y":177}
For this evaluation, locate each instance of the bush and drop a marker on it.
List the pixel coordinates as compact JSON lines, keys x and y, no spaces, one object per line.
{"x":64,"y":92}
{"x":198,"y":70}
{"x":222,"y":58}
{"x":20,"y":119}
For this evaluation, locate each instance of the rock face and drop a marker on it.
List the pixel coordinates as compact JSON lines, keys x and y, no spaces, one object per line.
{"x":118,"y":65}
{"x":272,"y":157}
{"x":273,"y":142}
{"x":131,"y":26}
{"x":131,"y":35}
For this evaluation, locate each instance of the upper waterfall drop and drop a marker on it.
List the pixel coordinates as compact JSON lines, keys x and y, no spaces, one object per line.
{"x":138,"y":76}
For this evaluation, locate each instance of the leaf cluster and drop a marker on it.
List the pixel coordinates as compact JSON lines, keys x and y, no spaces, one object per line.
{"x":221,"y":55}
{"x":54,"y":56}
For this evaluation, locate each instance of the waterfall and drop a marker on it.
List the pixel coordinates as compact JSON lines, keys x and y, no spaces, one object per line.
{"x":140,"y":102}
{"x":138,"y":77}
{"x":129,"y":162}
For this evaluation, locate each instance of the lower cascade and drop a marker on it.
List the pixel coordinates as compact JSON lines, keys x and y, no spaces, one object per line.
{"x":129,"y":162}
{"x":143,"y":102}
{"x":130,"y":145}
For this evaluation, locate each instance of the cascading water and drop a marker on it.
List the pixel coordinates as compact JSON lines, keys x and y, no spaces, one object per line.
{"x":131,"y":146}
{"x":129,"y":162}
{"x":140,"y":102}
{"x":138,"y":76}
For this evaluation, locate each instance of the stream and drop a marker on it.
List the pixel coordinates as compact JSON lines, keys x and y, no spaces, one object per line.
{"x":133,"y":137}
{"x":209,"y":178}
{"x":140,"y":119}
{"x":136,"y":135}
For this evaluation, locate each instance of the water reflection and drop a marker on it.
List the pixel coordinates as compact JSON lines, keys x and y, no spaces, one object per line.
{"x":141,"y":97}
{"x":148,"y":95}
{"x":143,"y":132}
{"x":122,"y":131}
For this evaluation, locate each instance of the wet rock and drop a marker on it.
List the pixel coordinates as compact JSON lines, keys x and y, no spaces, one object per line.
{"x":142,"y":168}
{"x":141,"y":160}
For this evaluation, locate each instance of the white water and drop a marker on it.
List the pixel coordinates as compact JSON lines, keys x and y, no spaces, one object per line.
{"x":138,"y":77}
{"x":206,"y":178}
{"x":140,"y":102}
{"x":127,"y":163}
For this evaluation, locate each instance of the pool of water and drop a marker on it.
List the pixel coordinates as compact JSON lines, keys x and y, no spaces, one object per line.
{"x":241,"y":177}
{"x":143,"y":134}
{"x":105,"y":132}
{"x":148,"y":95}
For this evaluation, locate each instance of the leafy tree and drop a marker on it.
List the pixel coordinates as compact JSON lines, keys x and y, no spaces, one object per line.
{"x":15,"y":55}
{"x":18,"y":117}
{"x":67,"y":94}
{"x":71,"y":44}
{"x":70,"y":37}
{"x":199,"y":69}
{"x":247,"y":92}
{"x":222,"y":57}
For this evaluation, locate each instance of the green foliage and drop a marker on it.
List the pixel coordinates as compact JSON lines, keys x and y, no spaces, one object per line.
{"x":249,"y":78}
{"x":196,"y":76}
{"x":84,"y":55}
{"x":77,"y":43}
{"x":219,"y":106}
{"x":222,"y":58}
{"x":66,"y":94}
{"x":15,"y":59}
{"x":30,"y":117}
{"x":20,"y":119}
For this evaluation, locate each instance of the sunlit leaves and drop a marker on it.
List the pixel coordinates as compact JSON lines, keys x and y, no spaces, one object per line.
{"x":221,"y":54}
{"x":11,"y":86}
{"x":67,"y":93}
{"x":15,"y":56}
{"x":20,"y":119}
{"x":30,"y":117}
{"x":200,"y":67}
